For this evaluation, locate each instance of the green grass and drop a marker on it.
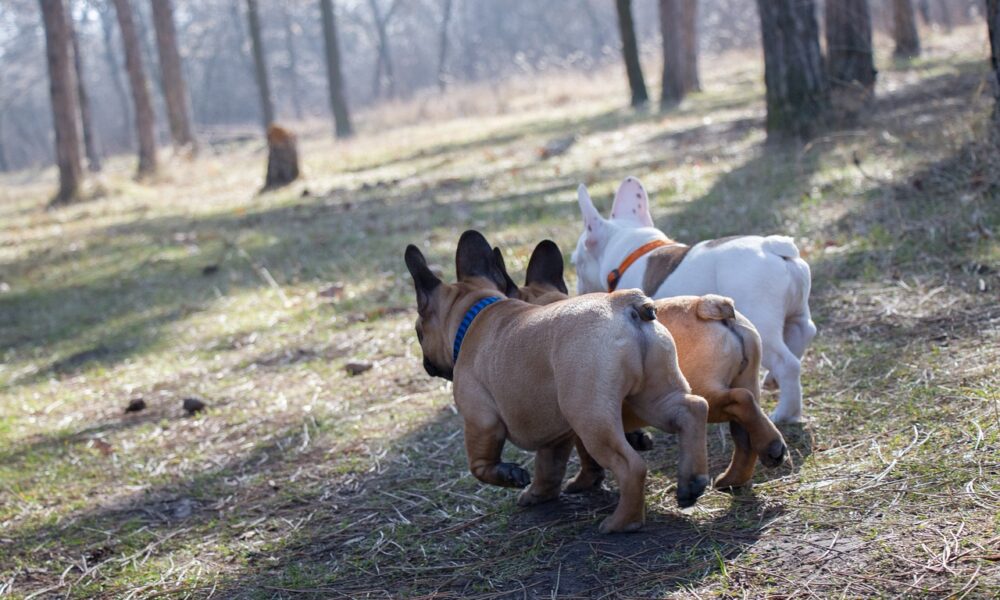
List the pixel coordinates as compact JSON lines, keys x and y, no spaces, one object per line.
{"x":301,"y":480}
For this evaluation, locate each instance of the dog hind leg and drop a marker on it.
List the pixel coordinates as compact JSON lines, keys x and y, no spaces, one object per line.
{"x":591,"y":474}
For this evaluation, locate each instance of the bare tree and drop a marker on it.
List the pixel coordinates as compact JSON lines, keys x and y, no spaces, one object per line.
{"x":689,"y":42}
{"x":630,"y":51}
{"x":145,"y":120}
{"x":904,"y":30}
{"x":86,"y":121}
{"x":260,"y":65}
{"x":114,"y":67}
{"x":797,"y":95}
{"x":672,"y":83}
{"x":64,"y":101}
{"x":293,"y":61}
{"x":171,"y":74}
{"x":383,"y":62}
{"x":443,"y":43}
{"x":850,"y":60}
{"x":338,"y":103}
{"x":993,"y":27}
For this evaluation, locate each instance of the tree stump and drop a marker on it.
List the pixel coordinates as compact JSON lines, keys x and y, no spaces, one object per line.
{"x":282,"y":158}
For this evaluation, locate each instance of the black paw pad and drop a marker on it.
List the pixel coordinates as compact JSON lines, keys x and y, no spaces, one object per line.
{"x":513,"y":475}
{"x":689,"y":491}
{"x":639,"y":440}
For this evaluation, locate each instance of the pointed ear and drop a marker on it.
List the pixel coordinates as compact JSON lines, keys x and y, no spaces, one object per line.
{"x":510,"y":289}
{"x":424,"y":281}
{"x":632,"y":203}
{"x":593,"y":224}
{"x":474,"y":258}
{"x":546,"y":266}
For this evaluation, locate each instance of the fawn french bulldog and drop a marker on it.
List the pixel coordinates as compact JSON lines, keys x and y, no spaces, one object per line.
{"x":542,"y":376}
{"x":764,"y":276}
{"x":719,"y":355}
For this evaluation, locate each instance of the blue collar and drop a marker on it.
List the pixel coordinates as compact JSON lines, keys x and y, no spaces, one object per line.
{"x":467,"y":321}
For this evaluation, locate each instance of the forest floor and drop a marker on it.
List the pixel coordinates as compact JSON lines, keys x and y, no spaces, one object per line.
{"x":301,"y":480}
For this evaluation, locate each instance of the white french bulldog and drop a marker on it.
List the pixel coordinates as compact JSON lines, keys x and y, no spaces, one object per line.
{"x":765,"y":277}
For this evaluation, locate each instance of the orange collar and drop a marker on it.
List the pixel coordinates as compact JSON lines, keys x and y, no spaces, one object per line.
{"x":616,"y":275}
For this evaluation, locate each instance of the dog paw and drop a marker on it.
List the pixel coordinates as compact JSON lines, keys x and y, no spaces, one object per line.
{"x":785,"y":417}
{"x":775,"y":454}
{"x":584,"y":482}
{"x":512,"y":475}
{"x":609,"y":525}
{"x":530,"y":497}
{"x":689,"y":491}
{"x":640,"y":440}
{"x":731,"y":484}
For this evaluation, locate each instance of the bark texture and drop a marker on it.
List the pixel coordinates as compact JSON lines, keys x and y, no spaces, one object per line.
{"x":850,"y":60}
{"x":993,"y":27}
{"x":797,"y":94}
{"x":335,"y":80}
{"x":144,"y":116}
{"x":171,"y":74}
{"x":630,"y":51}
{"x":904,"y":30}
{"x":672,"y":84}
{"x":689,"y":39}
{"x":62,"y":89}
{"x":260,"y":65}
{"x":86,"y":121}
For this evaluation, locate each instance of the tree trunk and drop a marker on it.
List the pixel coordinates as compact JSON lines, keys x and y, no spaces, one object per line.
{"x":384,"y":60}
{"x":904,"y":30}
{"x":89,"y":135}
{"x":144,"y":117}
{"x":993,"y":27}
{"x":260,"y":65}
{"x":689,"y":40}
{"x":443,"y":44}
{"x":114,"y":69}
{"x":293,"y":62}
{"x":335,"y":81}
{"x":172,"y":74}
{"x":282,"y":158}
{"x":797,"y":96}
{"x":64,"y":102}
{"x":945,"y":11}
{"x":672,"y":90}
{"x":924,"y":8}
{"x":850,"y":60}
{"x":630,"y":51}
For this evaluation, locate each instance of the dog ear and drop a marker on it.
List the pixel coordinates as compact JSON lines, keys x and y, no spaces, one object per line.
{"x":632,"y":203}
{"x":424,"y":280}
{"x":593,"y":223}
{"x":474,"y":258}
{"x":715,"y":308}
{"x":546,"y":266}
{"x":510,"y":289}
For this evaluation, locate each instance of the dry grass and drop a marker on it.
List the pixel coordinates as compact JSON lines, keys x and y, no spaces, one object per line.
{"x":301,"y":480}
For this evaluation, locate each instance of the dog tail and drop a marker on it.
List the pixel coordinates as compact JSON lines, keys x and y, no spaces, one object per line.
{"x":781,"y":245}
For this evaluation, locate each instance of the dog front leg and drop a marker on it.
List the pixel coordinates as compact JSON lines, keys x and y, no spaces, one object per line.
{"x":550,"y":467}
{"x":484,"y":440}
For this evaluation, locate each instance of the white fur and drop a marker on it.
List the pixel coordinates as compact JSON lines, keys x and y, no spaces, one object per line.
{"x":763,"y":275}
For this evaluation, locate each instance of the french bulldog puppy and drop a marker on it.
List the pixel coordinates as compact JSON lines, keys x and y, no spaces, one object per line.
{"x":764,"y":276}
{"x":719,"y":354}
{"x":541,"y":376}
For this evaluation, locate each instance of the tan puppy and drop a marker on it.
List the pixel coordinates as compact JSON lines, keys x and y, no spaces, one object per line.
{"x":542,"y":376}
{"x":719,"y":354}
